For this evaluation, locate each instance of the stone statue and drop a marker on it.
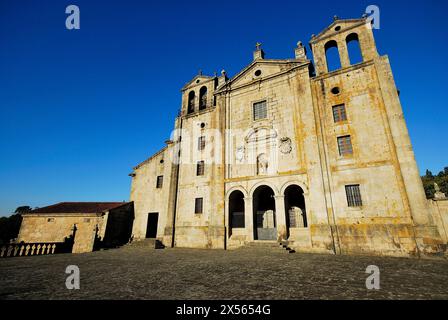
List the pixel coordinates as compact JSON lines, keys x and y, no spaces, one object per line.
{"x":438,"y":194}
{"x":262,"y":164}
{"x":268,"y":219}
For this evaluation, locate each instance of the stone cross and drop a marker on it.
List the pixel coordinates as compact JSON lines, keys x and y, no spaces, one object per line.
{"x":438,"y":194}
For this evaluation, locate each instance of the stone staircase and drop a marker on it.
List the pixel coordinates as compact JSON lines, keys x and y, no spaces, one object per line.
{"x":147,"y":243}
{"x":282,"y":245}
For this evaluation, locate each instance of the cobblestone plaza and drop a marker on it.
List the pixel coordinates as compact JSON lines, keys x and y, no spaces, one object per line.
{"x":248,"y":273}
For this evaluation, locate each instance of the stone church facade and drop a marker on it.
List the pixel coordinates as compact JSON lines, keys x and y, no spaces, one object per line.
{"x":289,"y":150}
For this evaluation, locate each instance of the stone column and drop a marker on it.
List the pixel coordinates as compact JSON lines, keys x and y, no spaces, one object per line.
{"x":280,"y":215}
{"x":343,"y":54}
{"x":249,"y":218}
{"x":227,"y":219}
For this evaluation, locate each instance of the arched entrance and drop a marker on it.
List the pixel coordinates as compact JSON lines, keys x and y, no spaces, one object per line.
{"x":295,"y":208}
{"x":265,"y":225}
{"x":236,"y":211}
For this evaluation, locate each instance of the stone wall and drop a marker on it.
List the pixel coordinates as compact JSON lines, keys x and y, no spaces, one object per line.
{"x":59,"y":228}
{"x":147,"y":198}
{"x":119,"y":223}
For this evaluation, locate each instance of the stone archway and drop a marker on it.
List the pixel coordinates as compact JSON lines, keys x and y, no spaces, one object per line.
{"x":265,"y":224}
{"x":295,"y":210}
{"x":236,"y":211}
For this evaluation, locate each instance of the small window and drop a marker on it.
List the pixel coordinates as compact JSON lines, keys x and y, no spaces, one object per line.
{"x":335,"y":90}
{"x":159,"y":183}
{"x":200,"y":168}
{"x":258,"y":73}
{"x":50,"y":220}
{"x":201,"y":143}
{"x":353,"y":195}
{"x":345,"y":146}
{"x":339,"y":113}
{"x":198,"y":205}
{"x":260,"y":110}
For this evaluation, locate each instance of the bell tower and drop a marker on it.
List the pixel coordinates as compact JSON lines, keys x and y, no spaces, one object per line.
{"x":338,"y":35}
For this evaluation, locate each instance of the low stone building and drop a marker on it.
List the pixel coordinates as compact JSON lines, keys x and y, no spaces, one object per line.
{"x":80,"y":226}
{"x":292,"y":150}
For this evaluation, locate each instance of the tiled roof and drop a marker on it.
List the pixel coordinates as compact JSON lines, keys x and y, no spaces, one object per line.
{"x":79,"y":207}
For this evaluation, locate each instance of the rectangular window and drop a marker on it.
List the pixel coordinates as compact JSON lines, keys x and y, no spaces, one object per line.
{"x":201,"y":143}
{"x":260,"y":110}
{"x":200,"y":168}
{"x":353,"y":195}
{"x":50,"y":220}
{"x":339,"y":113}
{"x":159,"y":183}
{"x":198,"y":203}
{"x":345,"y":146}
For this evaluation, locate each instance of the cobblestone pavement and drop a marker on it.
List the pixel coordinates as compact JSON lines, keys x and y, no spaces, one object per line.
{"x":250,"y":273}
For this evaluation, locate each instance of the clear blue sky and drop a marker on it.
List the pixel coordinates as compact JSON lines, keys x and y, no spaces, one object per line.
{"x":78,"y":109}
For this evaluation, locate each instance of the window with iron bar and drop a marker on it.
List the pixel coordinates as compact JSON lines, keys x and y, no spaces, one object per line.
{"x":200,"y":168}
{"x":159,"y":183}
{"x":339,"y":113}
{"x":198,"y":205}
{"x":353,"y":195}
{"x":345,"y":146}
{"x":201,"y":143}
{"x":260,"y":110}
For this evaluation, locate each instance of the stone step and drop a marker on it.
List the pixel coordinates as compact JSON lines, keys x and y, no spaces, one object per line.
{"x":285,"y":245}
{"x":262,"y":244}
{"x":147,"y":243}
{"x":282,"y":245}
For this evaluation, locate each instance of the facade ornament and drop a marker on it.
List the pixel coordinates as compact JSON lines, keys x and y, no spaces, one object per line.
{"x":262,"y":164}
{"x":285,"y":145}
{"x":240,"y":153}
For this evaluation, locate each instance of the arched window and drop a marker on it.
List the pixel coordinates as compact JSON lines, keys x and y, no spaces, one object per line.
{"x":191,"y":97}
{"x":203,"y":98}
{"x":332,"y":56}
{"x":353,"y":48}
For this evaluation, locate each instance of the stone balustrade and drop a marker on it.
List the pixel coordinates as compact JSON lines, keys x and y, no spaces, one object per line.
{"x":30,"y":249}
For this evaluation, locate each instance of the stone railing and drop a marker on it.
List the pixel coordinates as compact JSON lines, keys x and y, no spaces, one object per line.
{"x":30,"y":249}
